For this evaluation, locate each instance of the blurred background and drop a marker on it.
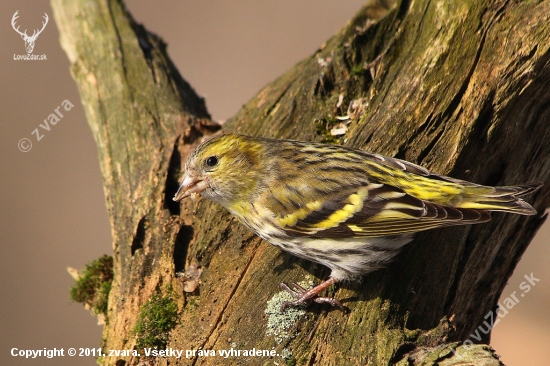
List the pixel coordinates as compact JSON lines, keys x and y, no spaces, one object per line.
{"x":52,"y":204}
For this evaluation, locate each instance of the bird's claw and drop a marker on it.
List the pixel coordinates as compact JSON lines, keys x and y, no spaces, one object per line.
{"x":304,"y":296}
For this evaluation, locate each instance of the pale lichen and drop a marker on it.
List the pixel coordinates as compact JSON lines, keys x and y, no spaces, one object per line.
{"x":279,"y":323}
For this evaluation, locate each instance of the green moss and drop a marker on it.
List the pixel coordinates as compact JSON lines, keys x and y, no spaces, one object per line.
{"x":191,"y":304}
{"x":357,"y":70}
{"x":291,"y":361}
{"x":93,"y":284}
{"x":411,"y":335}
{"x":156,"y":319}
{"x":323,"y":127}
{"x":434,"y":336}
{"x":100,"y":360}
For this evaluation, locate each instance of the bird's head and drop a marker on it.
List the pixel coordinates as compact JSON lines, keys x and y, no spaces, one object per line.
{"x":226,"y":169}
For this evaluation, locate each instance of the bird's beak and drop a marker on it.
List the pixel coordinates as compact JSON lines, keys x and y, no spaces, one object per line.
{"x":189,"y":186}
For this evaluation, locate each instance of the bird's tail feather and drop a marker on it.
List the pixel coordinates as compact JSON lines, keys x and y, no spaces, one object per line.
{"x":505,"y":199}
{"x":520,"y":190}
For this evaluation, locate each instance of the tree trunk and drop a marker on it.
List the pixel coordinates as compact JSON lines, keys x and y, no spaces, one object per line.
{"x":460,"y":87}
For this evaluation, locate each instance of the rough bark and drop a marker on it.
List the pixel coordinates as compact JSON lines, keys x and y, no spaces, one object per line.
{"x":461,"y":87}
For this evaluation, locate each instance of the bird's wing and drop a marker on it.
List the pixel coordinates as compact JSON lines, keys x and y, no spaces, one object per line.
{"x":373,"y":210}
{"x":331,"y":192}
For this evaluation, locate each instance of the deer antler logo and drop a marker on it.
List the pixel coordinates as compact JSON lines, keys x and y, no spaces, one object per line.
{"x":29,"y":40}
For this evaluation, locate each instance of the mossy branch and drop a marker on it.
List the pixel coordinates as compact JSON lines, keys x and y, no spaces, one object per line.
{"x":416,"y":80}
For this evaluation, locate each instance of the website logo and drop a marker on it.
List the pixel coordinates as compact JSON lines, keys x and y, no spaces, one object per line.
{"x":29,"y":40}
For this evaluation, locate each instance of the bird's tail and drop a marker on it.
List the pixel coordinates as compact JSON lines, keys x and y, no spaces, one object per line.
{"x":506,"y":199}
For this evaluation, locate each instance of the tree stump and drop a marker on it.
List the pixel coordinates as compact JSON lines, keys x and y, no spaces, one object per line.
{"x":462,"y":88}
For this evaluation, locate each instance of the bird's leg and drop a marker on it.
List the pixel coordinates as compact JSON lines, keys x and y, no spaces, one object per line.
{"x":302,"y":295}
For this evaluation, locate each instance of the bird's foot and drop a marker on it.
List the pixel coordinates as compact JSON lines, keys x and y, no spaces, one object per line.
{"x":304,"y":296}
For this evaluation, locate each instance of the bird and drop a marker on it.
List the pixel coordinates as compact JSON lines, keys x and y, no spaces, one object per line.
{"x":347,"y":209}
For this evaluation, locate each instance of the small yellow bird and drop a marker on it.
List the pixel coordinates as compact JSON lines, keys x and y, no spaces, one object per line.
{"x":347,"y":209}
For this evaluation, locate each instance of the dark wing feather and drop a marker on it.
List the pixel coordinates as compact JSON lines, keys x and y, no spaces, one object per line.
{"x":331,"y":191}
{"x":385,"y":211}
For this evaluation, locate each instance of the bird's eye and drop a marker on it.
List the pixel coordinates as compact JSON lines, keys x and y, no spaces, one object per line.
{"x":212,"y":161}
